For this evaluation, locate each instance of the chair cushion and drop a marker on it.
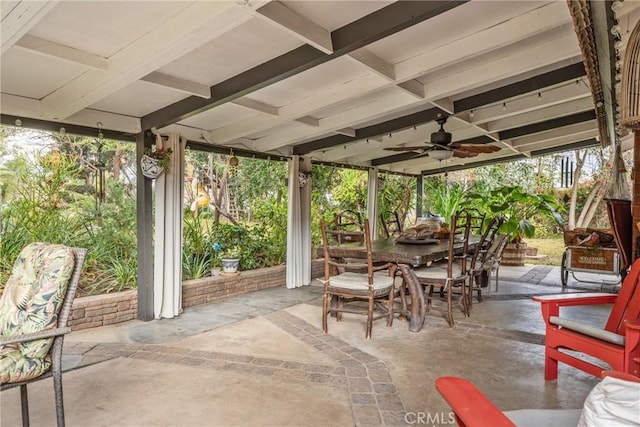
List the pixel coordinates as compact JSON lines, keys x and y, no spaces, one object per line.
{"x":438,"y":271}
{"x":591,"y":331}
{"x":360,"y":282}
{"x":30,"y":303}
{"x":612,"y":402}
{"x":544,"y":417}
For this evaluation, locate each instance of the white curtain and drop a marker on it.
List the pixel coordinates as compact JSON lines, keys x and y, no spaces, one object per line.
{"x":167,"y":259}
{"x":299,"y":225}
{"x":372,"y":201}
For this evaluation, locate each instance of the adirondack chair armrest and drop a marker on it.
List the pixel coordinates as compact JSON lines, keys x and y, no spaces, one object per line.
{"x":632,"y":324}
{"x":470,"y":406}
{"x":48,"y":333}
{"x":632,"y":339}
{"x":550,"y":304}
{"x":577,"y":299}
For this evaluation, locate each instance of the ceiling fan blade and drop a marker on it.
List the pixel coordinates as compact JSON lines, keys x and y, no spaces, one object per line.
{"x":463,"y":154}
{"x":418,"y":150}
{"x":476,"y":148}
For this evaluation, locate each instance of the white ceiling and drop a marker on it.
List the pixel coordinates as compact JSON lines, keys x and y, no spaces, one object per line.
{"x":339,"y":81}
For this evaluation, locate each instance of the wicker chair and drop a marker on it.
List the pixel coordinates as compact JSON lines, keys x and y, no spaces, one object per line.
{"x":493,"y":259}
{"x":354,"y":282}
{"x":39,"y":294}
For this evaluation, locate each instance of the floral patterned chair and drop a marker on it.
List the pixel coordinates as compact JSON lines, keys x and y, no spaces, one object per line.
{"x":34,"y":309}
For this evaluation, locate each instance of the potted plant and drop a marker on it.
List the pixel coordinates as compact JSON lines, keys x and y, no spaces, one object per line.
{"x":228,"y":258}
{"x":155,"y":161}
{"x":444,"y":199}
{"x":518,"y":206}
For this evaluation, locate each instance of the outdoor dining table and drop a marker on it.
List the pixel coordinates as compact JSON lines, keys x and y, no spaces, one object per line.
{"x":406,"y":256}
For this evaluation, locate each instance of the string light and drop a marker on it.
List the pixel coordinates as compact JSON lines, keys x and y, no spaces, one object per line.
{"x":539,"y":96}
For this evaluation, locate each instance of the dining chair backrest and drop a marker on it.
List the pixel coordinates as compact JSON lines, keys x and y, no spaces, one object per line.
{"x":334,"y":265}
{"x":477,"y":221}
{"x":459,"y":241}
{"x":482,"y":247}
{"x":391,"y":224}
{"x":350,"y":224}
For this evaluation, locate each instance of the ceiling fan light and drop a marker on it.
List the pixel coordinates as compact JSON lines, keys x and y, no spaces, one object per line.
{"x":441,"y":154}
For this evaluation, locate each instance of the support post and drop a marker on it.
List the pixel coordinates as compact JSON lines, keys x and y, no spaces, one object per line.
{"x":419,"y":195}
{"x":144,"y":217}
{"x":372,"y":201}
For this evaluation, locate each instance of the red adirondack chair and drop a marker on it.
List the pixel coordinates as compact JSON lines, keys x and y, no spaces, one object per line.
{"x":471,"y":408}
{"x":618,"y":344}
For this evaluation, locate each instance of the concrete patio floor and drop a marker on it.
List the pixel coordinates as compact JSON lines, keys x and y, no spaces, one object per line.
{"x":261,"y":359}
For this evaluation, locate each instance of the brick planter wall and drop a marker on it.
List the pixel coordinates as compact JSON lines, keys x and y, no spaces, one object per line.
{"x":108,"y":309}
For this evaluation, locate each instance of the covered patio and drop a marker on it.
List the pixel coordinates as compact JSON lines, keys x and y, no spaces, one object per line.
{"x":356,"y":84}
{"x":314,"y":82}
{"x":261,"y":359}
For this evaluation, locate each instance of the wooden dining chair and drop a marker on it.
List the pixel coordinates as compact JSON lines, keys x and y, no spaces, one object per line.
{"x":347,"y":290}
{"x":477,"y":261}
{"x":350,"y":224}
{"x":451,"y":273}
{"x":476,"y":221}
{"x":390,"y":224}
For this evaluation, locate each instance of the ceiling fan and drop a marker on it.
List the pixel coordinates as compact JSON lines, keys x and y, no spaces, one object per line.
{"x":440,"y":146}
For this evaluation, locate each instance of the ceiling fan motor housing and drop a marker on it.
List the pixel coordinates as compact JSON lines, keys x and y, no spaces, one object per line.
{"x":441,"y":137}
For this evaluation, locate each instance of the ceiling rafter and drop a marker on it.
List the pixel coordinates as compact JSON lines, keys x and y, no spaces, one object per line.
{"x":370,"y":131}
{"x":28,"y":107}
{"x":21,"y":19}
{"x":548,"y":124}
{"x":510,"y":90}
{"x":193,"y":26}
{"x":302,"y":28}
{"x":533,"y":84}
{"x":519,"y":28}
{"x":60,"y":51}
{"x":527,"y":60}
{"x":303,"y":107}
{"x":575,"y":146}
{"x":371,"y":28}
{"x":176,"y":83}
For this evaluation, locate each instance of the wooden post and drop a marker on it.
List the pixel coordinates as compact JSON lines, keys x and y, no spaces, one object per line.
{"x":145,"y":233}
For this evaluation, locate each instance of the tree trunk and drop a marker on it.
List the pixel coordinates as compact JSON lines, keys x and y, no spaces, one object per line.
{"x":117,"y":156}
{"x":591,"y":206}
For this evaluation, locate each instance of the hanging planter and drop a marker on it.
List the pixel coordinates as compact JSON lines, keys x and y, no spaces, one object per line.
{"x":150,"y":167}
{"x":303,"y":178}
{"x":154,"y":162}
